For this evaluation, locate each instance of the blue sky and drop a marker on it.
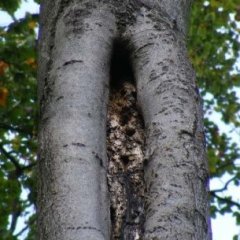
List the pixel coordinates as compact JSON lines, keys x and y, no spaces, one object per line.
{"x":27,"y":6}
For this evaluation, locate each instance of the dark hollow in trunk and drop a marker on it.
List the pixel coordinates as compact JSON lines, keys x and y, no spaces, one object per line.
{"x":125,"y":141}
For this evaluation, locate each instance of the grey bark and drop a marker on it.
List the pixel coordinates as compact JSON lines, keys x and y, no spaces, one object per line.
{"x":176,"y":166}
{"x":73,"y":89}
{"x":76,"y":39}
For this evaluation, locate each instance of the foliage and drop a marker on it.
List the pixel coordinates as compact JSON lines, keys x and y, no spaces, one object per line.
{"x":213,"y":48}
{"x":18,"y":119}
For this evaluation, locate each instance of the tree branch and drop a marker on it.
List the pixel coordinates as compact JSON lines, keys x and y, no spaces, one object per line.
{"x":19,"y":168}
{"x":226,"y":200}
{"x":30,"y":222}
{"x":14,"y":128}
{"x":225,"y":186}
{"x":16,"y":212}
{"x":10,"y":157}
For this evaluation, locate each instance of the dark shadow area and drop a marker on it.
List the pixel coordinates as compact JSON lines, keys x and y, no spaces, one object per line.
{"x":121,"y":69}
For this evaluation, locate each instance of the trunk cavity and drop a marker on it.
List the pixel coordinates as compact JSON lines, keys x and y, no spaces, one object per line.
{"x":125,"y":141}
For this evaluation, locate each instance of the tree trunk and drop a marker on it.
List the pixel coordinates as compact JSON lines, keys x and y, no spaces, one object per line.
{"x":76,"y":64}
{"x":176,"y":167}
{"x":73,"y":86}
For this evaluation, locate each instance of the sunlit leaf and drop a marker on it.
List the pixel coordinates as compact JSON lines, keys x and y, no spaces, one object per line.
{"x":3,"y":67}
{"x":3,"y":96}
{"x":32,"y":25}
{"x":32,"y":62}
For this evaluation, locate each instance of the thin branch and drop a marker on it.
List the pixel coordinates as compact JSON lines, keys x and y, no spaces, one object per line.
{"x":225,"y":186}
{"x":29,"y":166}
{"x":19,"y":168}
{"x":15,"y":129}
{"x":228,"y":163}
{"x":22,"y":231}
{"x":226,"y":200}
{"x":31,"y":221}
{"x":10,"y":157}
{"x":16,"y":212}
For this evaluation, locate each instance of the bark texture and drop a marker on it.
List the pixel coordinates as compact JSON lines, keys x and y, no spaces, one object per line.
{"x":75,"y":46}
{"x":176,"y":172}
{"x":76,"y":43}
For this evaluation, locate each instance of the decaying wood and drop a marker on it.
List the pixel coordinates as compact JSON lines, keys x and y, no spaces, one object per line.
{"x":125,"y":141}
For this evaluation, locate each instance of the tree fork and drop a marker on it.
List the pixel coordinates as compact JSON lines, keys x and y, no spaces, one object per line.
{"x":76,"y":42}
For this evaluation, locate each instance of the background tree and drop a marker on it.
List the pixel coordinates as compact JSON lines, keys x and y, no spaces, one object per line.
{"x":18,"y":125}
{"x":213,"y":47}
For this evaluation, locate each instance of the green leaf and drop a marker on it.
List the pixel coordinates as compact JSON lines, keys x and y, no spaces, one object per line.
{"x":10,"y":6}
